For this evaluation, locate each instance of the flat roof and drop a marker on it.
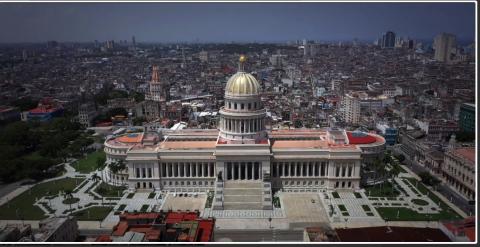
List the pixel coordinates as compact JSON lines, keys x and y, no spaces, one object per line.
{"x":188,"y":145}
{"x":130,"y":138}
{"x":300,"y":144}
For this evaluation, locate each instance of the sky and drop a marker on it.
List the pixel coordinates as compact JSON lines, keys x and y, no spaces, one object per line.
{"x":227,"y":22}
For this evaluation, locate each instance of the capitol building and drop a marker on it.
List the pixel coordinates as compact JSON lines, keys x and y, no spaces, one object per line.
{"x":242,"y":161}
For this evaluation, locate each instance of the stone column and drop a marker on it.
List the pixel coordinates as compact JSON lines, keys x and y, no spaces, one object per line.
{"x":208,"y":169}
{"x":253,"y":170}
{"x":302,"y":164}
{"x":238,"y":171}
{"x":295,"y":168}
{"x":190,"y":170}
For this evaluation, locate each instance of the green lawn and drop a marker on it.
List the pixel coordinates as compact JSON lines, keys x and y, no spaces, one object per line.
{"x":24,"y":202}
{"x":94,"y":213}
{"x":381,"y":191}
{"x":107,"y":190}
{"x":406,"y":214}
{"x":152,"y":195}
{"x":144,"y":208}
{"x":335,"y":194}
{"x":89,"y":163}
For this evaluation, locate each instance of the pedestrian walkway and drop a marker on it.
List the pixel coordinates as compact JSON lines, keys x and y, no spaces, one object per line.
{"x":348,"y":208}
{"x":244,"y":214}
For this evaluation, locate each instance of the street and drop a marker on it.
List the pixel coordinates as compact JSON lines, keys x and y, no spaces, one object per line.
{"x":259,"y":235}
{"x":459,"y":201}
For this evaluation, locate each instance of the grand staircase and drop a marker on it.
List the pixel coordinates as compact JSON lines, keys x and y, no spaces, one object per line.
{"x":243,"y":195}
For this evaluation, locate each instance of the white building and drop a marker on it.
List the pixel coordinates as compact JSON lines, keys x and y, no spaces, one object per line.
{"x":352,"y":108}
{"x":242,"y":161}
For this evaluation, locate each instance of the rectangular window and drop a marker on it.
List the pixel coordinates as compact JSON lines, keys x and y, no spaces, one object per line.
{"x":143,"y":173}
{"x":137,"y":172}
{"x":149,"y":172}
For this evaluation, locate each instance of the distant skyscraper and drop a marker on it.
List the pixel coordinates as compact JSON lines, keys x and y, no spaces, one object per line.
{"x":444,"y":45}
{"x":133,"y":41}
{"x":388,"y":40}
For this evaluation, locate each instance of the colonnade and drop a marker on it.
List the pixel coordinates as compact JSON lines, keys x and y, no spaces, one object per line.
{"x":243,"y":125}
{"x":243,"y":170}
{"x":312,"y":169}
{"x":188,"y":169}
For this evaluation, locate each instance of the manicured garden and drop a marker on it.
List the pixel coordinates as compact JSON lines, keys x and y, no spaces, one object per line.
{"x":445,"y":208}
{"x":95,"y":213}
{"x":107,"y":190}
{"x":89,"y":163}
{"x":406,"y":214}
{"x":22,"y":205}
{"x":382,"y":190}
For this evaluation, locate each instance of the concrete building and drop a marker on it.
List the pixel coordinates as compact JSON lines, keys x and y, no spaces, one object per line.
{"x":352,"y":108}
{"x":242,"y":161}
{"x":444,"y":45}
{"x":203,"y":56}
{"x":58,"y":229}
{"x":388,"y":40}
{"x":86,"y":113}
{"x":459,"y":171}
{"x":467,"y":118}
{"x":389,"y":133}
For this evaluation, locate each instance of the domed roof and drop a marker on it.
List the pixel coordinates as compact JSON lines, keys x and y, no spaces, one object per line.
{"x":242,"y":83}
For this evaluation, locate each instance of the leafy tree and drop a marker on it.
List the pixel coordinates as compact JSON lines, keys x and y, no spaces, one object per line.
{"x":298,"y":123}
{"x":101,"y":162}
{"x":428,"y":179}
{"x":139,"y":97}
{"x":139,"y":120}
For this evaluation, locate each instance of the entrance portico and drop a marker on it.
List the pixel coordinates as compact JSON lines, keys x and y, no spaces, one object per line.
{"x":243,"y":170}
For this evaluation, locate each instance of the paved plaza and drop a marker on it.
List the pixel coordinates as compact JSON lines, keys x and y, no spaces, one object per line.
{"x":184,"y":203}
{"x":303,"y":207}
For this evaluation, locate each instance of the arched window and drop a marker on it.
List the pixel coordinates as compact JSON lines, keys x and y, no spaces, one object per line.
{"x":242,"y":106}
{"x":235,"y":106}
{"x":249,"y":106}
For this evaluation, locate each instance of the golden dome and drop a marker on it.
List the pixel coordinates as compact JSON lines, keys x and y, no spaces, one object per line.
{"x":242,"y":83}
{"x":242,"y":59}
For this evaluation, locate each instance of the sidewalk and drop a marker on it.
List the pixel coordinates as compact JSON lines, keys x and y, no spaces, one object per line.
{"x":421,"y":224}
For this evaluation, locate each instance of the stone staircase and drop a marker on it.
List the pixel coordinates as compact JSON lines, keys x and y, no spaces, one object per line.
{"x":243,"y":195}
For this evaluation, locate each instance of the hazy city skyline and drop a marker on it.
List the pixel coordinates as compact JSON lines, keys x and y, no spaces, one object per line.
{"x":226,"y":22}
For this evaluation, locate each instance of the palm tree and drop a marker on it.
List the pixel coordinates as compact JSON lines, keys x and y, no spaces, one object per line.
{"x":68,"y":195}
{"x":95,"y":177}
{"x":115,"y":167}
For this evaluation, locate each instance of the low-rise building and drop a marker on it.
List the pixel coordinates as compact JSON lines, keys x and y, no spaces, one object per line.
{"x":57,"y":229}
{"x":161,"y":227}
{"x":459,"y":171}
